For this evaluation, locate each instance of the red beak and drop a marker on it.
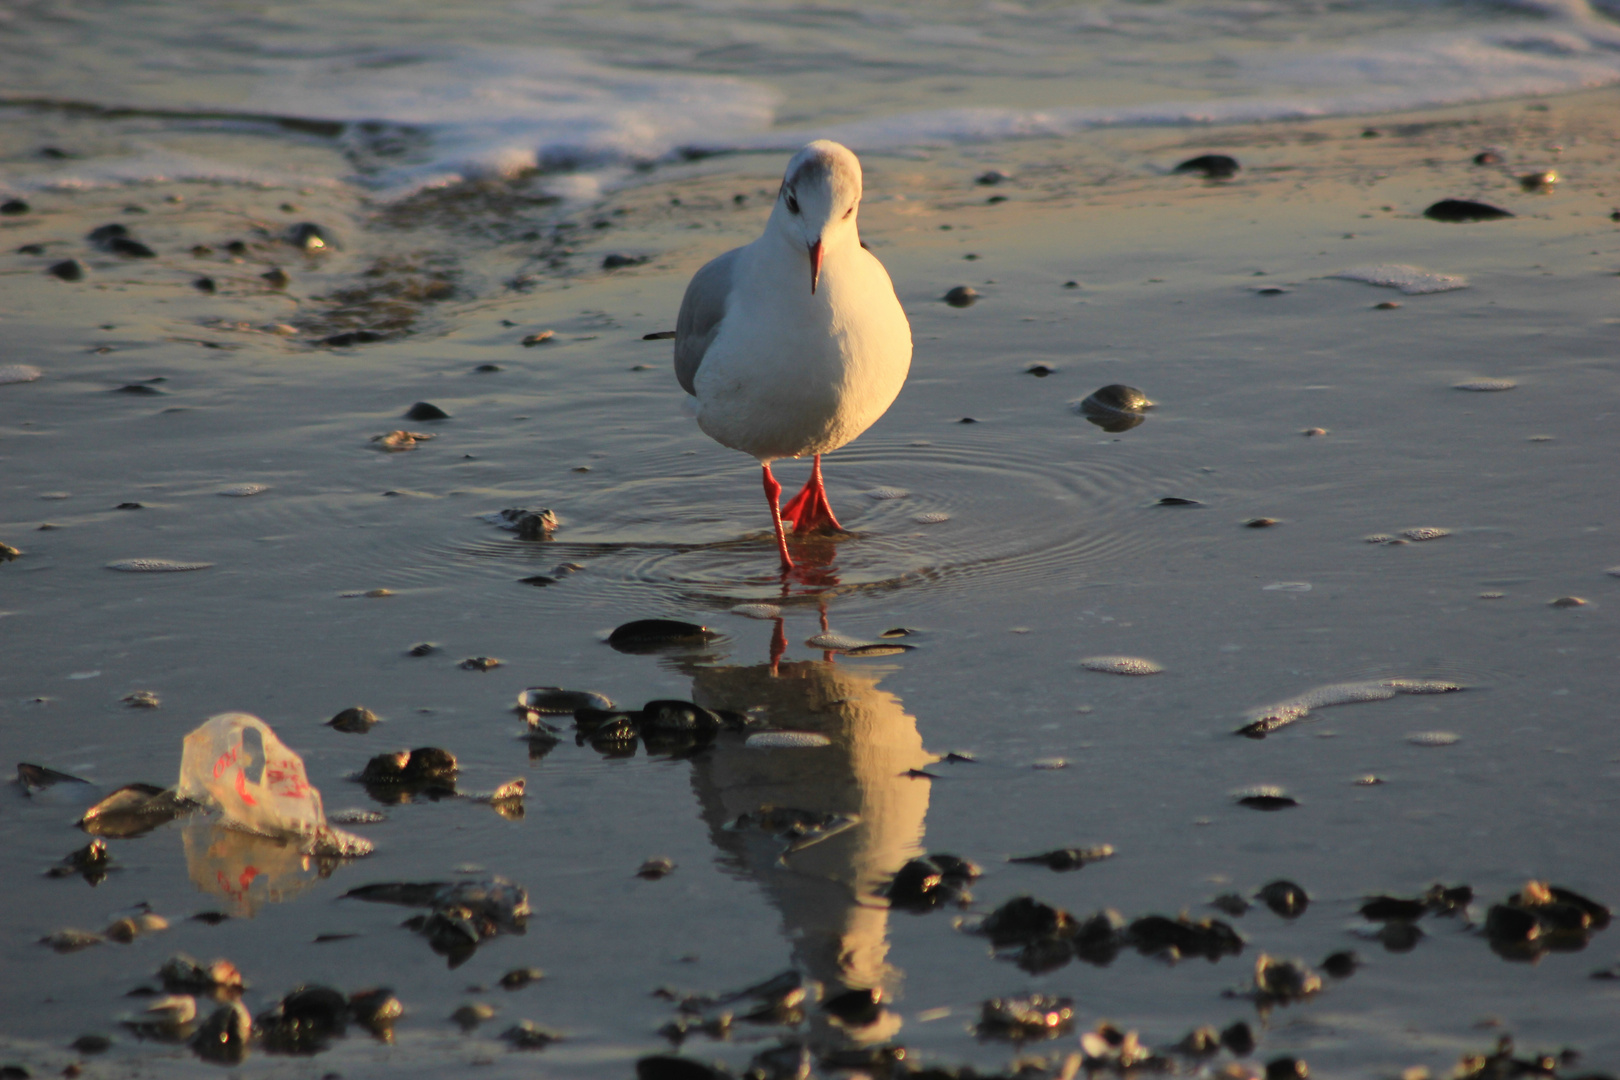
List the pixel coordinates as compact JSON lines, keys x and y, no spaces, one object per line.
{"x":815,"y":264}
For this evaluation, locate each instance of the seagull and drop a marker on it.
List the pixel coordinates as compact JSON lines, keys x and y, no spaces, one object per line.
{"x":796,"y":343}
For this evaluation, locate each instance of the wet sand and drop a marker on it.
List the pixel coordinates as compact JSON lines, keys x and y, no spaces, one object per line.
{"x":1053,"y":547}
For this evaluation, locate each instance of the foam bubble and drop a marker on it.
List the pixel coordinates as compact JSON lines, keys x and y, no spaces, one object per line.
{"x":156,"y":566}
{"x":1411,"y":280}
{"x":786,"y":740}
{"x":1122,"y":665}
{"x":18,"y":373}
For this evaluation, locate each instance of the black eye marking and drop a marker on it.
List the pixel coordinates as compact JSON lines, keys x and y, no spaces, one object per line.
{"x":792,"y":203}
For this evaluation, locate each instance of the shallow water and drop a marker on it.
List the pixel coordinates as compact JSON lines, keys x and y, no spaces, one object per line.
{"x":1054,"y":548}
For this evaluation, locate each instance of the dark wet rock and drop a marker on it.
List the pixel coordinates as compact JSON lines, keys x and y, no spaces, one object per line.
{"x":1259,"y":523}
{"x":133,"y":810}
{"x":31,"y":249}
{"x":926,"y":883}
{"x":652,"y":635}
{"x":1285,"y":898}
{"x":1067,"y":858}
{"x":141,"y":699}
{"x":129,"y":248}
{"x":518,"y":978}
{"x":91,"y":862}
{"x":1543,"y":181}
{"x":32,"y":778}
{"x":529,"y":522}
{"x":1393,"y":908}
{"x":656,"y":868}
{"x":470,"y":1015}
{"x":1183,"y":936}
{"x":1024,"y":919}
{"x":355,"y":720}
{"x":670,"y":1067}
{"x":678,"y":718}
{"x":1176,"y":500}
{"x":1464,"y":210}
{"x":141,"y":388}
{"x":304,"y":1021}
{"x":480,"y":663}
{"x":1230,"y":903}
{"x":237,"y":247}
{"x":1109,"y":1049}
{"x":426,"y":410}
{"x":14,"y":206}
{"x":1342,"y":964}
{"x":618,"y":261}
{"x":424,"y":648}
{"x":991,"y":177}
{"x":555,"y":701}
{"x":69,"y":940}
{"x":1239,"y":1039}
{"x":101,"y":235}
{"x":276,"y":278}
{"x":1026,"y":1017}
{"x":1399,"y":937}
{"x":995,"y":200}
{"x":1200,"y":1042}
{"x":659,"y":335}
{"x":376,"y":1009}
{"x":855,"y":1008}
{"x":1099,"y":937}
{"x":1282,"y":982}
{"x":540,"y":337}
{"x":350,"y":338}
{"x":310,"y":237}
{"x":68,"y":270}
{"x":183,"y":974}
{"x":91,"y":1044}
{"x":1267,"y":801}
{"x":1287,"y":1068}
{"x":465,"y":913}
{"x":1040,"y":371}
{"x":1210,"y":166}
{"x":403,"y":775}
{"x":961,"y":296}
{"x":224,"y":1036}
{"x":205,"y":284}
{"x":1488,"y":157}
{"x":9,"y":553}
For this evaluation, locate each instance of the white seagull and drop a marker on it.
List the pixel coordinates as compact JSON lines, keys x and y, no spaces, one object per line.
{"x":780,"y":370}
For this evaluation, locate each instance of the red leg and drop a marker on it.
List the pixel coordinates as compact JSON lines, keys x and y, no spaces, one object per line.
{"x":773,"y":493}
{"x":810,"y":509}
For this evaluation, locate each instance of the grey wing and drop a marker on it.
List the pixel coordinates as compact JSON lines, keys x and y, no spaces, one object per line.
{"x":702,"y":310}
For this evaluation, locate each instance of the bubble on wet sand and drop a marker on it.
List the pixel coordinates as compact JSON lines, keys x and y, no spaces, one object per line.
{"x":1265,"y":720}
{"x":786,"y":740}
{"x":1427,"y":532}
{"x":854,"y":646}
{"x":1287,"y":586}
{"x":18,"y":373}
{"x":757,"y":611}
{"x":555,"y":701}
{"x":356,"y":816}
{"x":1433,"y":738}
{"x":156,"y":566}
{"x":1485,"y":385}
{"x":881,"y":493}
{"x":1411,"y":280}
{"x":1121,"y":665}
{"x":933,"y":517}
{"x":243,"y":491}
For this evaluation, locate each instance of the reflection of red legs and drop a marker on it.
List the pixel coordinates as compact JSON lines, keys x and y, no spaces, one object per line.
{"x":778,"y":645}
{"x":810,"y":509}
{"x":773,"y":493}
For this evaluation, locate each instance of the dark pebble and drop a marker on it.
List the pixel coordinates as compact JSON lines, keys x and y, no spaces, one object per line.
{"x":1210,"y":166}
{"x":539,"y":581}
{"x":995,"y":199}
{"x":968,"y":420}
{"x":237,"y":247}
{"x":487,"y":369}
{"x":303,"y":1021}
{"x":555,"y":701}
{"x":1268,"y":802}
{"x":130,"y":506}
{"x":355,"y":720}
{"x":1271,"y":290}
{"x":1341,"y":965}
{"x":1174,"y":500}
{"x":1066,"y":858}
{"x":1399,"y":937}
{"x":375,"y":1009}
{"x":480,"y":663}
{"x":55,"y":153}
{"x":130,"y":249}
{"x":646,"y":635}
{"x":92,"y":1044}
{"x":276,"y":278}
{"x":1115,"y":407}
{"x":1285,"y":898}
{"x":962,"y":296}
{"x":1230,"y":903}
{"x":1259,"y":523}
{"x":1287,"y":1068}
{"x":659,"y":335}
{"x":857,"y":1008}
{"x":670,"y":1067}
{"x":1040,"y":371}
{"x":1071,"y":284}
{"x":1392,"y":909}
{"x":309,"y":237}
{"x":1182,"y":936}
{"x":205,"y":284}
{"x":31,"y":249}
{"x":426,"y":648}
{"x":518,"y":978}
{"x":352,"y":337}
{"x":224,"y":1035}
{"x":617,"y":261}
{"x":68,"y":270}
{"x":102,"y":234}
{"x":1487,"y":157}
{"x":14,"y":206}
{"x":134,"y":208}
{"x":991,"y":178}
{"x":524,"y":1035}
{"x":1387,"y":305}
{"x":201,"y":251}
{"x":1239,"y":1039}
{"x":1464,"y":210}
{"x":426,"y":410}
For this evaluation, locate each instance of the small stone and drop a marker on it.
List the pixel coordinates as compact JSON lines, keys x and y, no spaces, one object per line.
{"x":68,"y":270}
{"x":1543,"y":181}
{"x":539,"y":338}
{"x":350,"y":338}
{"x":656,"y":868}
{"x":1239,"y":1039}
{"x":1386,"y":305}
{"x":1341,"y":965}
{"x":130,"y":249}
{"x":426,"y":410}
{"x":962,"y":296}
{"x":518,"y":978}
{"x":1314,"y":431}
{"x":1259,"y":523}
{"x":1210,"y":166}
{"x":1176,"y":500}
{"x":71,"y":940}
{"x":1284,"y":898}
{"x":1287,"y":1068}
{"x":156,"y":566}
{"x":991,"y":177}
{"x":376,"y":1009}
{"x":276,"y":278}
{"x":355,"y":720}
{"x":480,"y":663}
{"x":14,"y":207}
{"x":1567,"y":602}
{"x":395,"y":441}
{"x":617,"y":261}
{"x":426,"y":648}
{"x":91,"y":1044}
{"x":1456,"y":210}
{"x":525,"y":1035}
{"x":141,"y":699}
{"x":205,"y":284}
{"x":309,"y":237}
{"x":1487,"y":157}
{"x":1040,"y":371}
{"x":649,"y":635}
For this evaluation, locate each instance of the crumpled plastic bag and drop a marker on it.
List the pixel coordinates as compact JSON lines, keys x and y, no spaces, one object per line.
{"x":235,"y":764}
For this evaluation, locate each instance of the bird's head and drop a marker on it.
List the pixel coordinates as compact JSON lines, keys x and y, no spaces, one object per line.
{"x":816,"y":208}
